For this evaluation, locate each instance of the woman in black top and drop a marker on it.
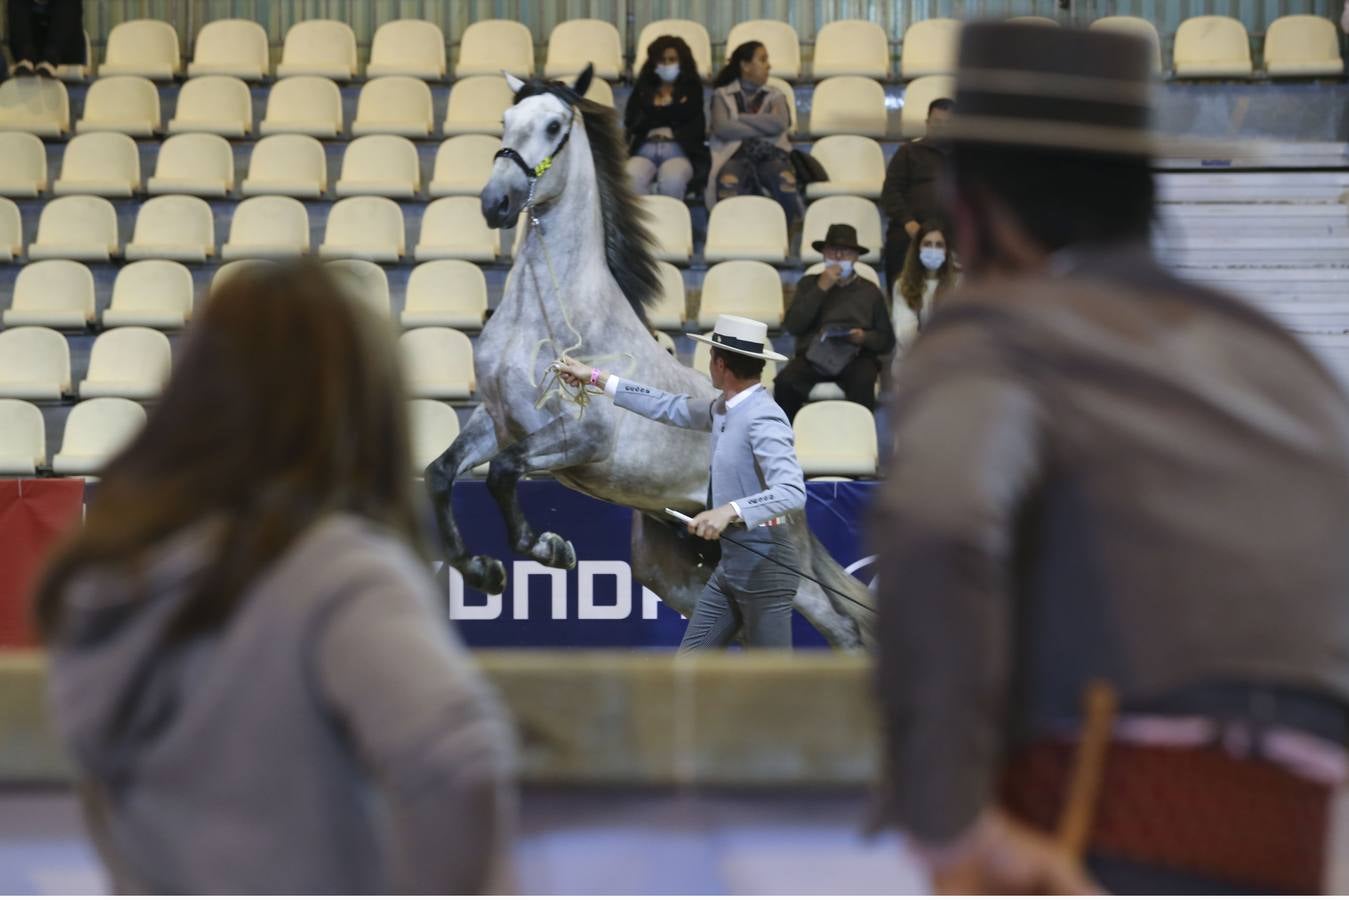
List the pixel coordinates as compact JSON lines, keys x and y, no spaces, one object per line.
{"x":665,"y":122}
{"x":45,"y":34}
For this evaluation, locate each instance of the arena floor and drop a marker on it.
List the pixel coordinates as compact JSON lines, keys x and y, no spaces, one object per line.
{"x":601,"y":842}
{"x":577,"y":842}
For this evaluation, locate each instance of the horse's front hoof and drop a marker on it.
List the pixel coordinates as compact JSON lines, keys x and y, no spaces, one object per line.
{"x":483,"y":573}
{"x":553,"y":551}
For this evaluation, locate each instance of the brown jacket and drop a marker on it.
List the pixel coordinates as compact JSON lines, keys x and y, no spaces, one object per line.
{"x":1105,"y":473}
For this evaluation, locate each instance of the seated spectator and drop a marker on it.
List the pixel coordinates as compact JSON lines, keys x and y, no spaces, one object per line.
{"x":909,"y":196}
{"x":841,"y":326}
{"x":929,"y":273}
{"x":751,"y":152}
{"x":248,"y":664}
{"x":45,"y":34}
{"x":665,"y":123}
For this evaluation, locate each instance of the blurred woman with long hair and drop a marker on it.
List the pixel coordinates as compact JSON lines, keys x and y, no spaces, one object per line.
{"x":245,"y":647}
{"x":665,"y":123}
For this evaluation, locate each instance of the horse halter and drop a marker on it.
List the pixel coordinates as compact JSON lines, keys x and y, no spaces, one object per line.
{"x":534,"y":173}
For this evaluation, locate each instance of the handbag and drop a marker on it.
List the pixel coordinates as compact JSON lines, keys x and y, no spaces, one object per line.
{"x":808,"y":169}
{"x":829,"y":356}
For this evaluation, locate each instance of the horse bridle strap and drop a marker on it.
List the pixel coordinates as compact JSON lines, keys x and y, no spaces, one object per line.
{"x":544,"y":165}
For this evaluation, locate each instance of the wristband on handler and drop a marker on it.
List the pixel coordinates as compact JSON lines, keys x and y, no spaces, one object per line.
{"x":595,"y":377}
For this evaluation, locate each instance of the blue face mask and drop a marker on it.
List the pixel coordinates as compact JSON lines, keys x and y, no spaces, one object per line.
{"x":667,"y":72}
{"x":844,"y":267}
{"x":932,"y":258}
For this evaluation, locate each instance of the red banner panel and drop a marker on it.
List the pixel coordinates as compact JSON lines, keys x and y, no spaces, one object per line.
{"x":34,"y":515}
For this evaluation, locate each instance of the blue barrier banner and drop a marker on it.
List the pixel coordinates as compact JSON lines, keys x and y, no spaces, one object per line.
{"x":599,"y":603}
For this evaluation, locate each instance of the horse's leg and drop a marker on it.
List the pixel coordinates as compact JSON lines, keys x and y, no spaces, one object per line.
{"x":563,"y":442}
{"x":844,"y":614}
{"x":475,"y":444}
{"x":669,"y":562}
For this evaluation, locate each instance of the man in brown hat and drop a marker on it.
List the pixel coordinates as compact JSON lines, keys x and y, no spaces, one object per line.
{"x":841,"y":324}
{"x":1104,"y":476}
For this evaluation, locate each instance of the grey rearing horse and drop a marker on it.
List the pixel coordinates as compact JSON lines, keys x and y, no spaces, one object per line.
{"x":579,"y":285}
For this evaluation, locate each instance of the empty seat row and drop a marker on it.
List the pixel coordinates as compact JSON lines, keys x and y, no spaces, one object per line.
{"x":108,"y":165}
{"x":181,"y":227}
{"x":753,"y":227}
{"x":411,"y":47}
{"x":1206,"y":46}
{"x":159,"y":293}
{"x":449,"y":293}
{"x":222,"y":104}
{"x":134,"y":363}
{"x":131,"y":362}
{"x":59,"y":293}
{"x":95,"y":431}
{"x":833,"y":438}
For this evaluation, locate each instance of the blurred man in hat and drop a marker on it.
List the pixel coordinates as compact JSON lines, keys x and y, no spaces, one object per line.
{"x":841,"y":323}
{"x":1103,"y":475}
{"x":754,"y":481}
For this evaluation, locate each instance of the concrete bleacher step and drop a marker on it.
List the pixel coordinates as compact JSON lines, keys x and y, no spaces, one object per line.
{"x":1247,"y":180}
{"x":1262,"y":283}
{"x":1268,"y":154}
{"x":1255,"y":236}
{"x":1305,"y":274}
{"x":1254,"y":187}
{"x":1256,"y":246}
{"x":1262,"y":293}
{"x":1250,"y":258}
{"x":1331,"y":349}
{"x":1327,"y":318}
{"x":1290,"y":213}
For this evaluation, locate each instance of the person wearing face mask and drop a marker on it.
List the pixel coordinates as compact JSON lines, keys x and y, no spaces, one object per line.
{"x":751,"y":150}
{"x":909,"y":196}
{"x":929,"y":272}
{"x":841,"y":326}
{"x":665,"y":122}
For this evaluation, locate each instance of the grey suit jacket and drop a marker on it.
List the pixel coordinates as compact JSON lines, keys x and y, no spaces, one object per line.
{"x":753,"y":448}
{"x":1108,"y":473}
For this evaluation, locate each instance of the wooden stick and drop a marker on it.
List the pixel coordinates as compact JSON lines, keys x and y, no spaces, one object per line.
{"x":1084,"y":786}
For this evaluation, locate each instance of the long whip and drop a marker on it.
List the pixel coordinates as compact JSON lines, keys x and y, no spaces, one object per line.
{"x":780,"y":563}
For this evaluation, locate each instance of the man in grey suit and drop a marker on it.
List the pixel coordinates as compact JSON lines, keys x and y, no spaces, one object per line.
{"x":754,"y":481}
{"x":1104,"y":476}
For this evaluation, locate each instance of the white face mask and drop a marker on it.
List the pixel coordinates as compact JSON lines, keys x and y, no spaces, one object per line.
{"x":932,"y":258}
{"x":844,"y":267}
{"x":667,"y":72}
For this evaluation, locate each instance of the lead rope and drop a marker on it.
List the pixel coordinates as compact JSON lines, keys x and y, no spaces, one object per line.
{"x":552,"y":385}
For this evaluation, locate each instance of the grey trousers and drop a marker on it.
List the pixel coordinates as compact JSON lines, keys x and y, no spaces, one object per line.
{"x":746,"y":592}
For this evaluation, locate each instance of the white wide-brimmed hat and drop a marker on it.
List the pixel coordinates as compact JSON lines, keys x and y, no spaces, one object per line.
{"x":737,"y":334}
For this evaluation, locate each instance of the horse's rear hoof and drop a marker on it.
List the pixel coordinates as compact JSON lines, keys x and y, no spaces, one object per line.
{"x":483,"y":573}
{"x":553,"y":551}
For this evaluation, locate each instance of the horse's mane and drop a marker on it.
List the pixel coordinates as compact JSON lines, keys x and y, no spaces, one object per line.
{"x":627,"y":242}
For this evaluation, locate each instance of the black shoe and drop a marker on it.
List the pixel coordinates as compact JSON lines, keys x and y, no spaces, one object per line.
{"x":22,"y":68}
{"x":46,"y":70}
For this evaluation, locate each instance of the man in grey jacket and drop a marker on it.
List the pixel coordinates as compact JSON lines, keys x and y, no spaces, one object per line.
{"x":754,"y":481}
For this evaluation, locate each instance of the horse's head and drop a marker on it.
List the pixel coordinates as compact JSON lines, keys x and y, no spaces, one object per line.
{"x":537,"y":129}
